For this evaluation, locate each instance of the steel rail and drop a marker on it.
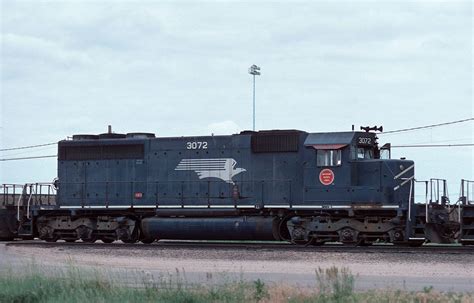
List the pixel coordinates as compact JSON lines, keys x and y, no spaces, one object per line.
{"x":257,"y":246}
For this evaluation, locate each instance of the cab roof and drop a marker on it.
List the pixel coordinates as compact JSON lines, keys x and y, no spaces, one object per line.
{"x":345,"y":138}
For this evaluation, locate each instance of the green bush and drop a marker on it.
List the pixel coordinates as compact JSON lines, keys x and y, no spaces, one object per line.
{"x":73,"y":285}
{"x":76,"y":286}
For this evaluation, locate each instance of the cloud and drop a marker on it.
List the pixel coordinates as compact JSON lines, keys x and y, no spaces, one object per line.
{"x":223,"y":128}
{"x":77,"y":66}
{"x":40,"y":50}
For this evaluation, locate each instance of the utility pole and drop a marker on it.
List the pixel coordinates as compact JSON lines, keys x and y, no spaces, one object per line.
{"x":254,"y":71}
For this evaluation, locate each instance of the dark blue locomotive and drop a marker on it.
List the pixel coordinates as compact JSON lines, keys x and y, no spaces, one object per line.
{"x":307,"y":188}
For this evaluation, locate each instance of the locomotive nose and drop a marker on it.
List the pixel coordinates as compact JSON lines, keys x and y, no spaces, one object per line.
{"x":404,"y":170}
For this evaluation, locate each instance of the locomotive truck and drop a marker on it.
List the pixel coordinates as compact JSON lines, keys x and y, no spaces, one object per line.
{"x":281,"y":185}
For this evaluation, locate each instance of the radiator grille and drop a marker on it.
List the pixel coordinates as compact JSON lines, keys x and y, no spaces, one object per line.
{"x":276,"y":141}
{"x":102,"y":152}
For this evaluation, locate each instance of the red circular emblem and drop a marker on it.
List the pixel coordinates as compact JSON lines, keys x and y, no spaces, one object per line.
{"x":326,"y":176}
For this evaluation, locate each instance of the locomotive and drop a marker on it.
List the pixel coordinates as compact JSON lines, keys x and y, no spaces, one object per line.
{"x":280,"y":185}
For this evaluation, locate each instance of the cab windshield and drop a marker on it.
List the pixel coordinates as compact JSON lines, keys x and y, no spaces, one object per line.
{"x":365,"y":153}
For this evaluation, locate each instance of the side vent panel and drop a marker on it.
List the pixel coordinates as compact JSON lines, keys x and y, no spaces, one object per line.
{"x":102,"y":152}
{"x":275,"y":141}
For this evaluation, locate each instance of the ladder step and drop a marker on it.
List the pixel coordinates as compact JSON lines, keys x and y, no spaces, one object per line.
{"x":25,"y":229}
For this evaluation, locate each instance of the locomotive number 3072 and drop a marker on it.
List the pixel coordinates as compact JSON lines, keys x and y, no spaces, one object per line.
{"x":196,"y":145}
{"x":363,"y":140}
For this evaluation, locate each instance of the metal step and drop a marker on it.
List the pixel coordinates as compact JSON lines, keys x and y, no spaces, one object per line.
{"x":25,"y":229}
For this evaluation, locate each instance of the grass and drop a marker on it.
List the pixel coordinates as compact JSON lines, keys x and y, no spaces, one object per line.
{"x":74,"y":285}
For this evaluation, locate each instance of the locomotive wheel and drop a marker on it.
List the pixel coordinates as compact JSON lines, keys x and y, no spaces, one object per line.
{"x":316,"y":243}
{"x":351,"y":244}
{"x":134,"y":237}
{"x":130,"y":241}
{"x":349,"y":237}
{"x":415,"y":243}
{"x":409,"y":244}
{"x":107,"y":240}
{"x":144,"y":239}
{"x":70,"y":240}
{"x":92,"y":239}
{"x":356,"y":242}
{"x":304,"y":243}
{"x":283,"y":232}
{"x":147,"y":240}
{"x":51,"y":240}
{"x":364,"y":242}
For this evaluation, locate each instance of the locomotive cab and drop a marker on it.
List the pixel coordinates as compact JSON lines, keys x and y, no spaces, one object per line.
{"x":348,"y":171}
{"x":362,"y":198}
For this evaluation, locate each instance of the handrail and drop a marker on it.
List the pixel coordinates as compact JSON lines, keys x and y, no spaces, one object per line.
{"x":458,"y":203}
{"x":426,"y":198}
{"x":409,"y":198}
{"x":467,"y":190}
{"x":176,"y":181}
{"x":9,"y":192}
{"x":28,"y":204}
{"x":18,"y":204}
{"x":30,"y":194}
{"x":179,"y":191}
{"x":435,"y":189}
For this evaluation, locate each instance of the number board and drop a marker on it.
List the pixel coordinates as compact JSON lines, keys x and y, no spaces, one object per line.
{"x":196,"y":145}
{"x":365,"y":141}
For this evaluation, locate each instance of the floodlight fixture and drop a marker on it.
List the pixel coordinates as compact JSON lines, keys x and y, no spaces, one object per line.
{"x":254,"y":70}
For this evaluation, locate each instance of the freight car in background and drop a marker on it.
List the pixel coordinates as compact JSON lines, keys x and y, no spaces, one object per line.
{"x":289,"y":185}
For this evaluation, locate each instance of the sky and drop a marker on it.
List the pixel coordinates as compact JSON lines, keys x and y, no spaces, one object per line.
{"x":181,"y":69}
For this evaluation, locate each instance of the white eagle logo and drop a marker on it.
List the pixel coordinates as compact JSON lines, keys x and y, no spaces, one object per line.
{"x":223,"y":168}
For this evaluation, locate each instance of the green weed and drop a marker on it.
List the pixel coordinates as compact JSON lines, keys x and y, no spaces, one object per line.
{"x":71,"y":284}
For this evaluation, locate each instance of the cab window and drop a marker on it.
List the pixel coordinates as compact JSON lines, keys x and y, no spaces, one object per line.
{"x":365,"y":153}
{"x":328,"y":157}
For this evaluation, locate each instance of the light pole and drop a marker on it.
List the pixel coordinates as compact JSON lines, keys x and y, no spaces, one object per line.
{"x":254,"y":70}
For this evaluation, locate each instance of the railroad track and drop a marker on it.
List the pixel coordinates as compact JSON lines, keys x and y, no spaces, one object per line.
{"x":255,"y":246}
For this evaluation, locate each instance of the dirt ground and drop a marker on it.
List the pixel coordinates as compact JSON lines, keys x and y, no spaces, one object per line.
{"x":410,"y":271}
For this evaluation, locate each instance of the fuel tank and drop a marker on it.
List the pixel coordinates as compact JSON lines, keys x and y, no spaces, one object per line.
{"x":234,"y":228}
